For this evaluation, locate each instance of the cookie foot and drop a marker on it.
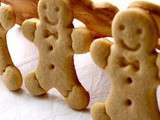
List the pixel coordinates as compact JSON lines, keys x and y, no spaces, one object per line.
{"x":78,"y":98}
{"x":12,"y":78}
{"x":33,"y":86}
{"x":98,"y":112}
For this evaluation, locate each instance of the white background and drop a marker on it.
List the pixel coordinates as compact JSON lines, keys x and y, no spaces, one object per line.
{"x":23,"y":106}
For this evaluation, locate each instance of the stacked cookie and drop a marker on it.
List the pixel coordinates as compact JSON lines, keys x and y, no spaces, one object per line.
{"x":132,"y":61}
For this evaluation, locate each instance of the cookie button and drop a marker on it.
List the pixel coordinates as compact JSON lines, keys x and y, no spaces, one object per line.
{"x":128,"y":102}
{"x":51,"y":67}
{"x":129,"y":80}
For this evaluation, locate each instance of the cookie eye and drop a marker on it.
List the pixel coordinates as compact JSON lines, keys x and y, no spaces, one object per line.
{"x":44,"y":6}
{"x":139,"y":31}
{"x":56,"y":9}
{"x":121,"y":27}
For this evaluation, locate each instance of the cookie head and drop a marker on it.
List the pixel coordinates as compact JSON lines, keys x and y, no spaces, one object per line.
{"x":135,"y":30}
{"x":53,"y":12}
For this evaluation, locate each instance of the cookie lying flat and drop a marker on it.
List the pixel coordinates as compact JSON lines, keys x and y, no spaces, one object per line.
{"x":11,"y":75}
{"x":57,"y":41}
{"x":131,"y":65}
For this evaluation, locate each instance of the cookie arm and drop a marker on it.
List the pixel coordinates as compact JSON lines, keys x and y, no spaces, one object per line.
{"x":10,"y":74}
{"x":81,"y":40}
{"x":29,"y":27}
{"x":100,"y":51}
{"x":7,"y":18}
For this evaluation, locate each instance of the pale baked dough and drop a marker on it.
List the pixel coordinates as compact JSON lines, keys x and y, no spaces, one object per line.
{"x":57,"y":41}
{"x":130,"y":63}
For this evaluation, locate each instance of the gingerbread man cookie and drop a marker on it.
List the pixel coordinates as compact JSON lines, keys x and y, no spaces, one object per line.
{"x":57,"y":41}
{"x":10,"y":74}
{"x":54,"y":36}
{"x":130,"y":63}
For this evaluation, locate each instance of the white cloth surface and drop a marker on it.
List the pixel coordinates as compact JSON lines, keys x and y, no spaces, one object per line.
{"x":22,"y":106}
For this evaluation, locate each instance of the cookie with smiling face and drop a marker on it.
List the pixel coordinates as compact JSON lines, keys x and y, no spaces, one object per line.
{"x":130,"y":63}
{"x":53,"y":35}
{"x":57,"y":41}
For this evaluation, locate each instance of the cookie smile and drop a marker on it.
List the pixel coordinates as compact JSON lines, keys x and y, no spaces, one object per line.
{"x":129,"y":48}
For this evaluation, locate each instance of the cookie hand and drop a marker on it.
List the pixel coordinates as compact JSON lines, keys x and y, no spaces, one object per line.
{"x":12,"y":78}
{"x":7,"y":17}
{"x":100,"y":51}
{"x":82,"y":39}
{"x":29,"y":27}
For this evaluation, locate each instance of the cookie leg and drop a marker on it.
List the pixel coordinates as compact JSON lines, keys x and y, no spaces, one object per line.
{"x":11,"y":75}
{"x":33,"y":86}
{"x":98,"y":112}
{"x":12,"y":78}
{"x":78,"y":98}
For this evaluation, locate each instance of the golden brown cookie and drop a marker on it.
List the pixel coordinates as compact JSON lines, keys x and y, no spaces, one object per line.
{"x":10,"y":74}
{"x":57,"y":41}
{"x":130,"y":63}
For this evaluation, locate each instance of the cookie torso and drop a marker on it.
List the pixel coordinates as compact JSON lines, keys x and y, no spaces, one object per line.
{"x":132,"y":68}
